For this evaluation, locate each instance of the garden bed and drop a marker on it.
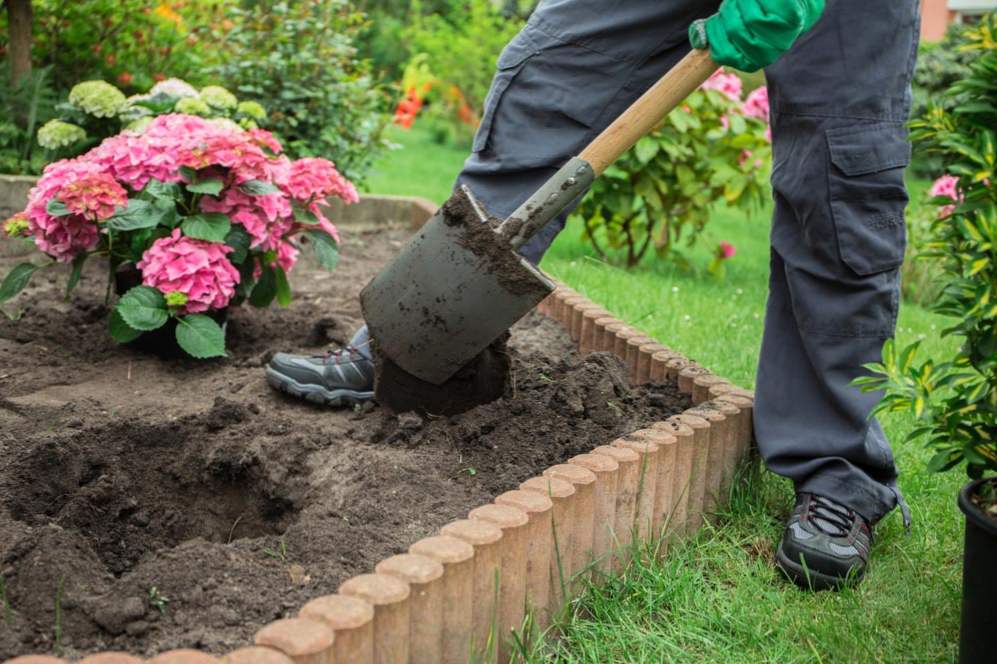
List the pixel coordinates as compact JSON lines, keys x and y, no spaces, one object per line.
{"x":149,"y":504}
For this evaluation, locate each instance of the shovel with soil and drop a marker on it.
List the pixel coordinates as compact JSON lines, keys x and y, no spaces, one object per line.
{"x":439,"y":312}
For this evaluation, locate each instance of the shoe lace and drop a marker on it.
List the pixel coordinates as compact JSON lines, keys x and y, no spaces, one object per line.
{"x":829,"y":517}
{"x":350,"y":353}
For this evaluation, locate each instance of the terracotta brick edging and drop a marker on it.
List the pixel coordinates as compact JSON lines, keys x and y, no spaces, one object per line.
{"x":457,"y":596}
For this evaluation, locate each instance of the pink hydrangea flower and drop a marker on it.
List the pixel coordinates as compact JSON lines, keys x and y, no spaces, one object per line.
{"x":725,"y":122}
{"x":726,"y":250}
{"x":757,"y":104}
{"x":198,"y":269}
{"x":94,"y":197}
{"x":311,"y":180}
{"x":265,"y":139}
{"x":728,"y":84}
{"x":255,"y":213}
{"x":62,"y":238}
{"x":947,"y":186}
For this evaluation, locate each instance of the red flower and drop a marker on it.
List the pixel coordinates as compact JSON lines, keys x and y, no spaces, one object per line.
{"x":726,"y":250}
{"x":124,"y":78}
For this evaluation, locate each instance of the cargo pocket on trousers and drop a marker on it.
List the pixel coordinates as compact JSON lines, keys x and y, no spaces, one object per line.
{"x":868,"y":196}
{"x":510,"y":63}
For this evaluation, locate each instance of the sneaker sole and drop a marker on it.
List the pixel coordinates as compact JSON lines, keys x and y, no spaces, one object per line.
{"x":810,"y":579}
{"x":316,"y":393}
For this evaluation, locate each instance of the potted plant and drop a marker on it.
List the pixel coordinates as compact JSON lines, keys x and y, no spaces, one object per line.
{"x":191,"y":216}
{"x":954,"y":398}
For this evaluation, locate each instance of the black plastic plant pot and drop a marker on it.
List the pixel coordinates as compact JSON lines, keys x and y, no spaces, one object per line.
{"x":161,"y":342}
{"x":978,"y":636}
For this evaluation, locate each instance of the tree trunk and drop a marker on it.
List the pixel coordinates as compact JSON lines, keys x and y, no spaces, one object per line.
{"x":19,"y":22}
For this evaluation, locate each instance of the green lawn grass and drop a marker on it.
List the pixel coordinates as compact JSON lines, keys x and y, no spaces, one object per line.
{"x":715,"y":598}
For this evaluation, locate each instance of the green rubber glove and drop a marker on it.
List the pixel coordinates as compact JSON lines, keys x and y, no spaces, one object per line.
{"x":751,"y":34}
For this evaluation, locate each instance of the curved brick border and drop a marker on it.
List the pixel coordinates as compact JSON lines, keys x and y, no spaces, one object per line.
{"x":455,"y":597}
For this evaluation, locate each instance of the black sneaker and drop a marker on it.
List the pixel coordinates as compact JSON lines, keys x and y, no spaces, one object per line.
{"x":338,"y":378}
{"x":825,"y":545}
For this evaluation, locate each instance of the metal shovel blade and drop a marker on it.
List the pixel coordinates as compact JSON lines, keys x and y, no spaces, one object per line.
{"x":452,"y":291}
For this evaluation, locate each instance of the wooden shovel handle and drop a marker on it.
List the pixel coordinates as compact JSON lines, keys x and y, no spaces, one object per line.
{"x":648,"y":111}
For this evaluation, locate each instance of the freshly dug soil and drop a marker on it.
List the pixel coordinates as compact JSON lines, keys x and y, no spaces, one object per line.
{"x":150,"y":503}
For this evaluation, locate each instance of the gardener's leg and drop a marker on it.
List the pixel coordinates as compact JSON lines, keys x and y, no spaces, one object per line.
{"x":571,"y":71}
{"x":840,"y":99}
{"x":574,"y":67}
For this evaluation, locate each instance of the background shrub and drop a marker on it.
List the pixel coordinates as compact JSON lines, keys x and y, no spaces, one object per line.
{"x":939,"y":66}
{"x":954,"y":396}
{"x":130,"y":42}
{"x":660,"y":194}
{"x":301,"y":58}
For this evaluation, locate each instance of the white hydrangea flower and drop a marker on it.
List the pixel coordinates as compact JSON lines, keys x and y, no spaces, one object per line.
{"x":98,"y":98}
{"x":174,"y":87}
{"x":56,"y":134}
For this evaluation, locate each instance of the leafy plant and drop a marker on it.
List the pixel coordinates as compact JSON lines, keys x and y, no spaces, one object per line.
{"x":954,"y":397}
{"x":660,"y":193}
{"x":158,"y":600}
{"x":280,"y":553}
{"x":191,"y":216}
{"x":301,"y":57}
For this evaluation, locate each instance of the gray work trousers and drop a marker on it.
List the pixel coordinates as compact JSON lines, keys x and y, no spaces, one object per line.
{"x":839,"y":101}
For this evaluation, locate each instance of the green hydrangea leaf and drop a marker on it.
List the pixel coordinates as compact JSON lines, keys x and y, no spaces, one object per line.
{"x":143,"y":308}
{"x":283,"y":287}
{"x":200,"y":336}
{"x":16,"y":280}
{"x":56,"y":208}
{"x":259,"y":188}
{"x":137,"y":214}
{"x":265,"y":289}
{"x":210,"y":226}
{"x":212,"y":187}
{"x":239,"y":240}
{"x":326,"y":249}
{"x":121,"y":331}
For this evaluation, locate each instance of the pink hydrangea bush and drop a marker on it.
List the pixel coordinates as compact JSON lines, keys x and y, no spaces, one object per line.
{"x":209,"y":214}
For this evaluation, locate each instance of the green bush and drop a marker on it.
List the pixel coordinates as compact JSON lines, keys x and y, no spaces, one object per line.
{"x":131,"y":42}
{"x":954,"y":397}
{"x":300,"y":56}
{"x":939,"y":65}
{"x":659,"y":195}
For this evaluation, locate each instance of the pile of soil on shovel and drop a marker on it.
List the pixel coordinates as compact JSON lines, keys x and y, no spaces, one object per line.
{"x":149,"y":503}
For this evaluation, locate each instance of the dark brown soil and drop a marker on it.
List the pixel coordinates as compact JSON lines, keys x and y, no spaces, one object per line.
{"x":148,"y":504}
